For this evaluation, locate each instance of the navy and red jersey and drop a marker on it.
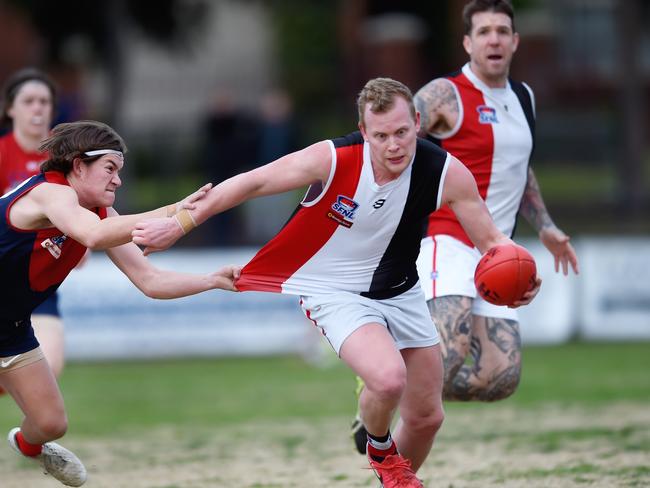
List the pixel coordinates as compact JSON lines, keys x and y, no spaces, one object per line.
{"x":351,"y":234}
{"x":494,"y":138}
{"x":33,"y":263}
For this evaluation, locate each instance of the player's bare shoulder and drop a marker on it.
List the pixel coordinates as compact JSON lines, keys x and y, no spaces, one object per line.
{"x":28,"y":212}
{"x":438,"y":104}
{"x":47,"y":192}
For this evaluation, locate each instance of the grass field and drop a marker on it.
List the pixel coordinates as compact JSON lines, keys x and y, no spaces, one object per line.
{"x":581,"y":417}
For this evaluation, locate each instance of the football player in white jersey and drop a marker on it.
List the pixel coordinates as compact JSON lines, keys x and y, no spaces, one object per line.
{"x":487,"y":121}
{"x":350,"y":252}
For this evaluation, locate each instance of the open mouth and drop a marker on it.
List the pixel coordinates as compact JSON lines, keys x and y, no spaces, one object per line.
{"x":495,"y":57}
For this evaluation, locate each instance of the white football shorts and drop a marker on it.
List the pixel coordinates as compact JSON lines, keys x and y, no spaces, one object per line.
{"x":406,"y":317}
{"x":446,"y":267}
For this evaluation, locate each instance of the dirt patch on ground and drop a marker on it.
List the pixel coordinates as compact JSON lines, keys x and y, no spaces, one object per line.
{"x":495,"y":446}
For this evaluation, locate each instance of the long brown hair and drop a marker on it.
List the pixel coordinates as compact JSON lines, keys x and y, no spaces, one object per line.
{"x":71,"y":140}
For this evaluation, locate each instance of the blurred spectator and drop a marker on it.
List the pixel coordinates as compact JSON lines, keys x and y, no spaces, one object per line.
{"x":277,"y":127}
{"x":277,"y":135}
{"x":229,"y":146}
{"x":235,"y":140}
{"x":71,"y":105}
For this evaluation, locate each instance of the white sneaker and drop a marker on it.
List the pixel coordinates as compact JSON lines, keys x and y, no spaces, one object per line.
{"x":55,"y":460}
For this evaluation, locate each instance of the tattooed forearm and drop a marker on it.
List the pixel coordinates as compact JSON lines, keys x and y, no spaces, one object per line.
{"x":438,"y":106}
{"x":532,"y":205}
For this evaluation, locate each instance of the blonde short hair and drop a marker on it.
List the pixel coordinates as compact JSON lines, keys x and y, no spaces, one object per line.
{"x":380,"y":93}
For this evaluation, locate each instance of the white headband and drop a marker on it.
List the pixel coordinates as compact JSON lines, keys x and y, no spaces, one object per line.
{"x":99,"y":152}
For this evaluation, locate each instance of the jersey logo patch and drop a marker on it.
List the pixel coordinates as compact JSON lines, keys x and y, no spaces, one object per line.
{"x":379,"y":203}
{"x":54,"y":245}
{"x":343,"y":211}
{"x":487,"y":115}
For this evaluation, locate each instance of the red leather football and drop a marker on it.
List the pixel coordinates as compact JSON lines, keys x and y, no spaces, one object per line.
{"x":505,"y":273}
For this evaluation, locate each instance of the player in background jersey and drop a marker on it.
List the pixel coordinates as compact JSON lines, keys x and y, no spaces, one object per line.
{"x":349,"y":251}
{"x":28,"y":106}
{"x":46,"y":225}
{"x":486,"y":120}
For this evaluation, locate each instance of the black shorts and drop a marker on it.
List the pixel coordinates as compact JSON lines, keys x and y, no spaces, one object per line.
{"x":49,"y":307}
{"x":16,"y":337}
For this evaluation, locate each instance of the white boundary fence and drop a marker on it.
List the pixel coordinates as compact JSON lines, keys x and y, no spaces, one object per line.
{"x":106,"y":317}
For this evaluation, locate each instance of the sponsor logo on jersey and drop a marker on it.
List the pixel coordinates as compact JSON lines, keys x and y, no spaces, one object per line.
{"x":487,"y":115}
{"x":343,"y":211}
{"x":54,"y":245}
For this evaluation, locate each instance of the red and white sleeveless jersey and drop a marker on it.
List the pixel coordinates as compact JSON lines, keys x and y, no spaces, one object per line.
{"x":494,"y":139}
{"x":350,"y":234}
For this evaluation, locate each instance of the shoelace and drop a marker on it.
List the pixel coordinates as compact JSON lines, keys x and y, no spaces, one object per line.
{"x":396,"y":468}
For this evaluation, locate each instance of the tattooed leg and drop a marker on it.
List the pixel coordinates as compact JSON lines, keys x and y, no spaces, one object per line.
{"x":452,"y":316}
{"x":496,"y":362}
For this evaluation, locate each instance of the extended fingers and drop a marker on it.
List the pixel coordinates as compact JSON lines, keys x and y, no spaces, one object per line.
{"x":567,"y":257}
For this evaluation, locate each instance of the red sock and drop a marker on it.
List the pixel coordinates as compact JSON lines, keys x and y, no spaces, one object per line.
{"x":381,"y":454}
{"x":26,"y":448}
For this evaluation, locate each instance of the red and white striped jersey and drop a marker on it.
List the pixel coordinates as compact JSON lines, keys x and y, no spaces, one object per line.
{"x":494,"y":139}
{"x":351,"y":234}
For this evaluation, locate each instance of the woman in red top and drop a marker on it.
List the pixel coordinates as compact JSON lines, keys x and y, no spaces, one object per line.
{"x":28,"y":105}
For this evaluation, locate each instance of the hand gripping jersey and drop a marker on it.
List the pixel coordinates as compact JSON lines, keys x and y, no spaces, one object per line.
{"x":16,"y":165}
{"x":351,"y":234}
{"x":494,"y":138}
{"x":33,"y":263}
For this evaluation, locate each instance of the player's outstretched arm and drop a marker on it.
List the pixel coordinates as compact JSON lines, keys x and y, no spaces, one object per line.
{"x":163,"y":284}
{"x":59,"y":205}
{"x":557,"y":242}
{"x":289,"y":172}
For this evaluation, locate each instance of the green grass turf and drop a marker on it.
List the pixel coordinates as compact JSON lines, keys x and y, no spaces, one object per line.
{"x":108,"y":398}
{"x":585,"y":373}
